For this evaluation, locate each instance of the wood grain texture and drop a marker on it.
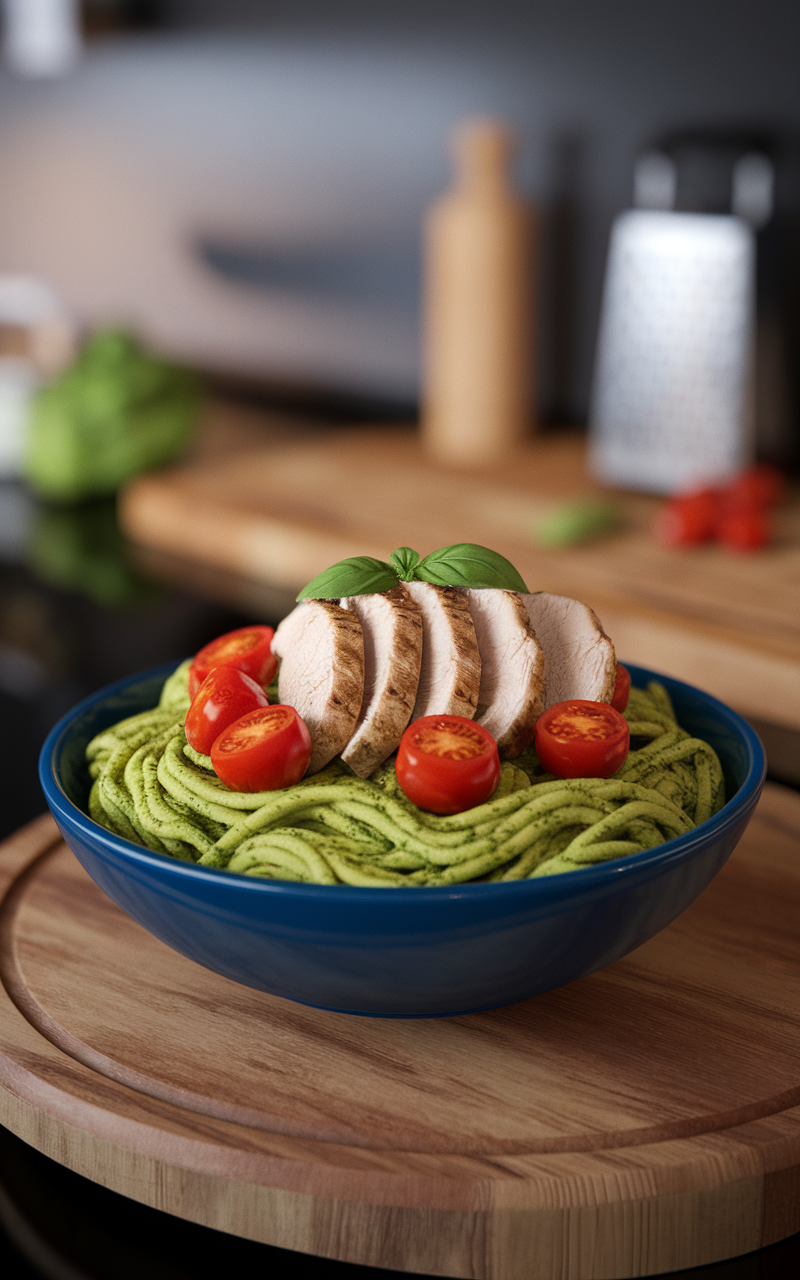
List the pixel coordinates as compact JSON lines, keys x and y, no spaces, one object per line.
{"x":281,"y":513}
{"x":644,"y":1119}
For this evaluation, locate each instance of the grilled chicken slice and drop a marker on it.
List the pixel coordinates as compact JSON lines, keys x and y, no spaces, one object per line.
{"x":511,"y":697}
{"x":392,"y":625}
{"x":451,"y":666}
{"x":579,"y":657}
{"x":321,"y":648}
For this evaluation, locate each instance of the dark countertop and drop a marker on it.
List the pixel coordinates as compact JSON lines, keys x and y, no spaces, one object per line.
{"x":73,"y":617}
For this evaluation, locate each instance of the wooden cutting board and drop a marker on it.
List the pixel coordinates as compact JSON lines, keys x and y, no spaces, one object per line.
{"x":644,"y":1119}
{"x":279,"y":513}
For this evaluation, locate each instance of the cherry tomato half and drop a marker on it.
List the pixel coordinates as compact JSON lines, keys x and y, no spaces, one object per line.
{"x":582,"y":739}
{"x":224,"y":696}
{"x":265,"y":750}
{"x":622,"y":688}
{"x":248,"y":649}
{"x":447,"y":763}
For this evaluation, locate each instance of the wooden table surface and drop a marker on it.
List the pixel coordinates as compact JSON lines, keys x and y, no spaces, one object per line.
{"x":643,"y":1119}
{"x":278,"y":509}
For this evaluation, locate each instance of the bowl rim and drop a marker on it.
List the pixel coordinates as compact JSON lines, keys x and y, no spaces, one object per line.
{"x":611,"y":873}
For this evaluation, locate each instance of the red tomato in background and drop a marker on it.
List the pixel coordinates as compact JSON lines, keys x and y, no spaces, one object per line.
{"x":622,"y":688}
{"x":582,"y":739}
{"x":760,"y":485}
{"x":744,"y":528}
{"x":225,"y":695}
{"x":687,"y":519}
{"x":248,"y":649}
{"x":737,"y":513}
{"x":265,"y":750}
{"x":447,"y":764}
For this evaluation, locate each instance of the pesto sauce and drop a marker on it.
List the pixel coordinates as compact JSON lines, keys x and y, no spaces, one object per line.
{"x":333,"y":828}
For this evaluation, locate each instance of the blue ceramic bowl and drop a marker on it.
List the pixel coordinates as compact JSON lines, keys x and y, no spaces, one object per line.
{"x":412,"y":952}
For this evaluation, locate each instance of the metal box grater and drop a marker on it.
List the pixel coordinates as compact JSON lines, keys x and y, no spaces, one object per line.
{"x":672,"y":401}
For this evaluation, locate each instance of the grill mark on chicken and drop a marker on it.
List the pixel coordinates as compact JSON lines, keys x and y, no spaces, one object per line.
{"x":580,"y":661}
{"x":511,"y":696}
{"x":392,"y":626}
{"x":321,"y":648}
{"x":451,"y":666}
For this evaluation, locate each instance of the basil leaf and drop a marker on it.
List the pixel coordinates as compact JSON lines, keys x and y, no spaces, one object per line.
{"x":468,"y":565}
{"x":404,"y":560}
{"x":356,"y":576}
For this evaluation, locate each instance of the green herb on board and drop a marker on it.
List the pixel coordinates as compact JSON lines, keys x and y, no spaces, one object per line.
{"x":465,"y":564}
{"x":575,"y":522}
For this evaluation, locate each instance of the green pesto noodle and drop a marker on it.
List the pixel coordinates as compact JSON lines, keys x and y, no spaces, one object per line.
{"x":333,"y":828}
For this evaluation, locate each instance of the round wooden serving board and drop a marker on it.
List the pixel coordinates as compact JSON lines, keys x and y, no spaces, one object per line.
{"x":644,"y":1119}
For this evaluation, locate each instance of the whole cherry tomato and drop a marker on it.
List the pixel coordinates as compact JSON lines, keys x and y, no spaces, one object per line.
{"x":582,"y":739}
{"x":687,"y":519}
{"x":224,"y":696}
{"x":744,"y":528}
{"x":248,"y":649}
{"x":760,"y":485}
{"x":265,"y":750}
{"x":447,"y":763}
{"x":622,"y":688}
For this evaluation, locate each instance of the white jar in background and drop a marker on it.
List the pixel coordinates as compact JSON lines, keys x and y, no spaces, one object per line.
{"x":38,"y":339}
{"x":18,"y":381}
{"x":41,"y":37}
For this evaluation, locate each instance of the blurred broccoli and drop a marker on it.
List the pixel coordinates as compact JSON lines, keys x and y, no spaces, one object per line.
{"x":115,"y":412}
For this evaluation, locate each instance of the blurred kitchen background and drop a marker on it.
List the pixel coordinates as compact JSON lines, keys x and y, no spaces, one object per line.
{"x":243,"y":180}
{"x":242,"y":184}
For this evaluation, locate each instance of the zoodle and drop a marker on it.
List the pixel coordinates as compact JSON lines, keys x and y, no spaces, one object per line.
{"x":151,"y":787}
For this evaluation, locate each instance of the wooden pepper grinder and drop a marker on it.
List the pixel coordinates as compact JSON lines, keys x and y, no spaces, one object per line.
{"x":478,"y":322}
